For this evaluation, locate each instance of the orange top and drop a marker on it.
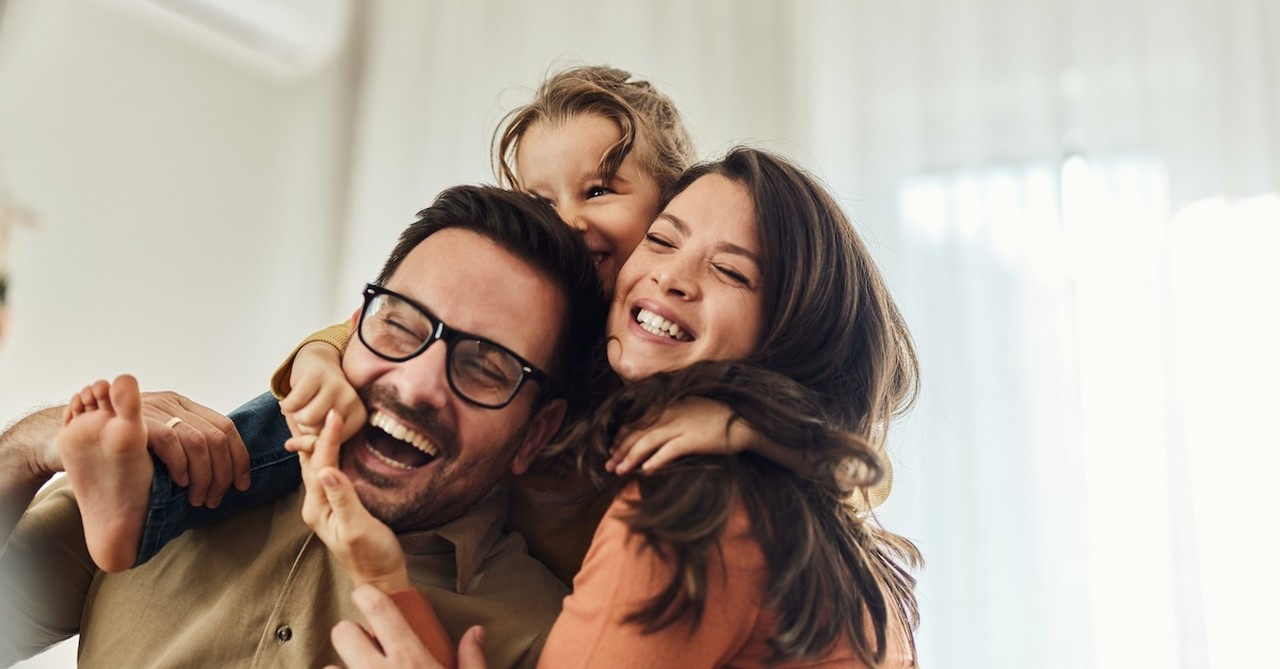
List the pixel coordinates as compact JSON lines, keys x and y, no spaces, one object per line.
{"x":621,"y":573}
{"x":426,"y":625}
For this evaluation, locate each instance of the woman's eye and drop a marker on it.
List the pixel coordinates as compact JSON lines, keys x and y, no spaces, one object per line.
{"x":733,"y":275}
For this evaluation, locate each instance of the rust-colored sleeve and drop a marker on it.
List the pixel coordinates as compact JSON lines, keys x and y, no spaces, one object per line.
{"x":426,"y":624}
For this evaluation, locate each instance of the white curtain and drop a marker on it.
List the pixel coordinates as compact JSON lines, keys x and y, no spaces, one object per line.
{"x":1077,"y":204}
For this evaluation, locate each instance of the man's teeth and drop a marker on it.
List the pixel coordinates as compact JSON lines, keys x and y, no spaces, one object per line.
{"x":660,"y":326}
{"x":389,"y":425}
{"x":388,"y":461}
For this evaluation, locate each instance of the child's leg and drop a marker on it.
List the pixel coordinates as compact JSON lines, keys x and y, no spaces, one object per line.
{"x":274,"y":472}
{"x":103,"y":446}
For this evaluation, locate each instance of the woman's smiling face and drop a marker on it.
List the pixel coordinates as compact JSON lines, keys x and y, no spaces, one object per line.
{"x":692,"y":290}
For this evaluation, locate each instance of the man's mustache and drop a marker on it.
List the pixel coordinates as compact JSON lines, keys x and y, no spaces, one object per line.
{"x":422,"y":419}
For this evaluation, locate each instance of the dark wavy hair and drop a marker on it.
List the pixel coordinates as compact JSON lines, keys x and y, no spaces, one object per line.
{"x":650,"y":124}
{"x":835,"y":364}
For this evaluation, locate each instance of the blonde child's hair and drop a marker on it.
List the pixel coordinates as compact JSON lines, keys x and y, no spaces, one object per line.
{"x":648,"y":120}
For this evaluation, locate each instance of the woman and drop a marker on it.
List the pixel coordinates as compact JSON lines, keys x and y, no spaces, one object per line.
{"x":735,"y":561}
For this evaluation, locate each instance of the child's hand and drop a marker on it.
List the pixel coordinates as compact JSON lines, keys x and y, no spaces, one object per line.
{"x":692,"y":426}
{"x":317,"y":384}
{"x":365,"y":547}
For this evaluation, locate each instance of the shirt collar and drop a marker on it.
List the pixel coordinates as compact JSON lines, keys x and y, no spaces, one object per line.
{"x":470,"y":536}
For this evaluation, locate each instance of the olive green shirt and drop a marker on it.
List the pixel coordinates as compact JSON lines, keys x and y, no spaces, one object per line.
{"x":256,"y":590}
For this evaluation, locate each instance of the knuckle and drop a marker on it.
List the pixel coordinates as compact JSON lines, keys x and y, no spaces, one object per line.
{"x":216,"y":439}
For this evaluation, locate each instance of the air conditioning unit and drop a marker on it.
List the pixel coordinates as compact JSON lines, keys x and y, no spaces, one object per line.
{"x":279,"y":39}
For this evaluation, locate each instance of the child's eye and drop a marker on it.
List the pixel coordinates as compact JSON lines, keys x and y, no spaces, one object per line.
{"x":597,"y":191}
{"x":541,"y":197}
{"x":655,"y":238}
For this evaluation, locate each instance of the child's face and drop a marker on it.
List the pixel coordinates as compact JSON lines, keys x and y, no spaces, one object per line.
{"x":561,"y":163}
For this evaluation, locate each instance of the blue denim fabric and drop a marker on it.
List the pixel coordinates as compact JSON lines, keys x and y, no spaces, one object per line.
{"x":274,"y":472}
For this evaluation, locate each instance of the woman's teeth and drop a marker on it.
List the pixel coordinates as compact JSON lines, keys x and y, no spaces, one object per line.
{"x":655,"y":324}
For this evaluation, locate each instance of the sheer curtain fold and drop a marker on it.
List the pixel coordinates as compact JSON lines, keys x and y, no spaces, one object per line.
{"x":1040,"y":172}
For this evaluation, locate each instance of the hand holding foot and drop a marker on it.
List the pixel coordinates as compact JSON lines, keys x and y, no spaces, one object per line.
{"x":103,"y":447}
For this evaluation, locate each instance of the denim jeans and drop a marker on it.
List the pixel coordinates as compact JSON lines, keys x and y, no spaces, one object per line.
{"x":273,"y":472}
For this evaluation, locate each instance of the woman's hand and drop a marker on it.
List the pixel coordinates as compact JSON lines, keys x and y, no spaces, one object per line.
{"x":365,"y":547}
{"x":391,"y":643}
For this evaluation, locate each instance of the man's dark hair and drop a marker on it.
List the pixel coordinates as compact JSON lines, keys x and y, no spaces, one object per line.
{"x":529,"y":229}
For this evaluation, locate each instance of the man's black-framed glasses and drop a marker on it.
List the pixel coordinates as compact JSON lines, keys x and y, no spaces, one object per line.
{"x":480,"y":371}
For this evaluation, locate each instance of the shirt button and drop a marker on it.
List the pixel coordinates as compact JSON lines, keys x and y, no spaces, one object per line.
{"x":283,"y":633}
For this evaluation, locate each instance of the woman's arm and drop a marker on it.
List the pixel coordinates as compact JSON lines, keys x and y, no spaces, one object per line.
{"x":367,"y":549}
{"x":394,"y":639}
{"x":621,"y":574}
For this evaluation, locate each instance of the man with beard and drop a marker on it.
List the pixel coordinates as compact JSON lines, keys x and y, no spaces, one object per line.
{"x":510,"y":293}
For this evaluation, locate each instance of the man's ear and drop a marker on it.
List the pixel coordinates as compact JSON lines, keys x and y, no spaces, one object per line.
{"x":542,"y":427}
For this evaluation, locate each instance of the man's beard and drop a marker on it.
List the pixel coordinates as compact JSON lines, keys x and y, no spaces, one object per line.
{"x":426,"y":509}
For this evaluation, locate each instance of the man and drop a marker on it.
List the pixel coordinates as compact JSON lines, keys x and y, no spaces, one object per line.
{"x":500,"y":281}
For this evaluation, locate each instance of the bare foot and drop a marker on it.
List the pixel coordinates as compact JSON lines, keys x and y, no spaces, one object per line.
{"x":103,"y":446}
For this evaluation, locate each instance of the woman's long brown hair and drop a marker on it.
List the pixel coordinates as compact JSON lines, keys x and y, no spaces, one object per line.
{"x":835,"y":364}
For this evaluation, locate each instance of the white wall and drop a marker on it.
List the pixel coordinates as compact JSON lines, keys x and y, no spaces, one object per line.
{"x":187,"y":208}
{"x":187,"y":205}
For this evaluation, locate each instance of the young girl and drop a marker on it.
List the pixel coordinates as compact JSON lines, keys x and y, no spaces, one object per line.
{"x":725,"y":561}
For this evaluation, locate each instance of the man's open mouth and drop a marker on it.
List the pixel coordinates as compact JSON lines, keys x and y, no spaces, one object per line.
{"x":396,"y":444}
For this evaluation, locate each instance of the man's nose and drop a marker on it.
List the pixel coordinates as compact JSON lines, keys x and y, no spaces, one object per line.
{"x":424,"y":380}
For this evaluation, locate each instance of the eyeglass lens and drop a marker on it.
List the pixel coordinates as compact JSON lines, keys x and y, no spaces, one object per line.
{"x":479,"y":371}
